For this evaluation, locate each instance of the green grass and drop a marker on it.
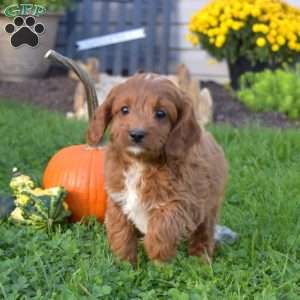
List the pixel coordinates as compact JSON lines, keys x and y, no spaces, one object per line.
{"x":262,"y":205}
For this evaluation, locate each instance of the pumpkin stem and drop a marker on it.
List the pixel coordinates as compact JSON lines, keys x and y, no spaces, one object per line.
{"x":89,"y":87}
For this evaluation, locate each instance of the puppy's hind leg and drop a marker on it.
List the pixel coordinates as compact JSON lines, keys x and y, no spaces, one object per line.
{"x":121,"y":233}
{"x":201,"y":242}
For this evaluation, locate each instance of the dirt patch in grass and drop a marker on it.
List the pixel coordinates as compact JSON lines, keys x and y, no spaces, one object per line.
{"x":56,"y":93}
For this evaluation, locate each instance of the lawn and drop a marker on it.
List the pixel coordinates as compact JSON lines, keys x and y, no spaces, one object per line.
{"x":262,"y":204}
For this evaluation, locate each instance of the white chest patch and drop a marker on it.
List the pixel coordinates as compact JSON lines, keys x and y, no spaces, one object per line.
{"x":129,"y":198}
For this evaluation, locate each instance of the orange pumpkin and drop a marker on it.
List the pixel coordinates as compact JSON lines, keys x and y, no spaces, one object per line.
{"x":79,"y":168}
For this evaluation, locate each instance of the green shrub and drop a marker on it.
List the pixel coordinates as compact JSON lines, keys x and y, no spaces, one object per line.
{"x":272,"y":91}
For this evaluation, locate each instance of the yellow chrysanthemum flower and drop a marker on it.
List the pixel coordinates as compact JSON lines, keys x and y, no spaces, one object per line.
{"x":261,"y":42}
{"x":193,"y":38}
{"x":212,"y":40}
{"x":220,"y":40}
{"x":211,"y":32}
{"x":215,"y":12}
{"x":256,"y":12}
{"x":264,"y":28}
{"x":292,"y":45}
{"x":213,"y":22}
{"x":292,"y":37}
{"x":237,"y":6}
{"x":229,"y":22}
{"x":280,"y":40}
{"x":237,"y":25}
{"x":273,"y":24}
{"x":255,"y":27}
{"x":271,"y":39}
{"x":260,"y":28}
{"x":275,"y":48}
{"x":223,"y":29}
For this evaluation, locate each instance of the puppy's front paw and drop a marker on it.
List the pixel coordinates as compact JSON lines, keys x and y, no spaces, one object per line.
{"x":158,"y":263}
{"x":159,"y":251}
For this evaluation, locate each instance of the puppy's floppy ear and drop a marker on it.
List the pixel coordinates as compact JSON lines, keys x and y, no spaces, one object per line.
{"x":186,"y":131}
{"x":101,"y":120}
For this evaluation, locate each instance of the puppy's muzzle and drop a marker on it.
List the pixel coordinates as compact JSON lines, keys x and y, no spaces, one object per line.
{"x":136,"y":135}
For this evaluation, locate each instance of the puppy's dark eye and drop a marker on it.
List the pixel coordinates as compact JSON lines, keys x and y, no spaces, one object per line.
{"x":125,"y":110}
{"x":160,"y":114}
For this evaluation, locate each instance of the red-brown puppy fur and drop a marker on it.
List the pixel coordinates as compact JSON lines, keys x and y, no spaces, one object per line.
{"x":168,"y":186}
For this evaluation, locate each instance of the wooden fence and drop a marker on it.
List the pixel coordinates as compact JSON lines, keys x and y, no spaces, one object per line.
{"x":92,"y":18}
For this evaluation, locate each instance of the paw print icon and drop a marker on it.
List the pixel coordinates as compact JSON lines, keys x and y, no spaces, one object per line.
{"x":24,"y":31}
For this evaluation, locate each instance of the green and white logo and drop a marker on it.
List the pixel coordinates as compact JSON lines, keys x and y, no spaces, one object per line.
{"x":24,"y":10}
{"x":24,"y":29}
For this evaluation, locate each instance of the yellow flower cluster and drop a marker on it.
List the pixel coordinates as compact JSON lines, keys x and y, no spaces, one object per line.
{"x":273,"y":23}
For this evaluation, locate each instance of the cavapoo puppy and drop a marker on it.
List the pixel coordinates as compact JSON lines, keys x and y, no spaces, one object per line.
{"x":164,"y":174}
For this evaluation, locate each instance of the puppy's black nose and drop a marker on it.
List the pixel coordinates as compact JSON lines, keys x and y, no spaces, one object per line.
{"x":137,"y":135}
